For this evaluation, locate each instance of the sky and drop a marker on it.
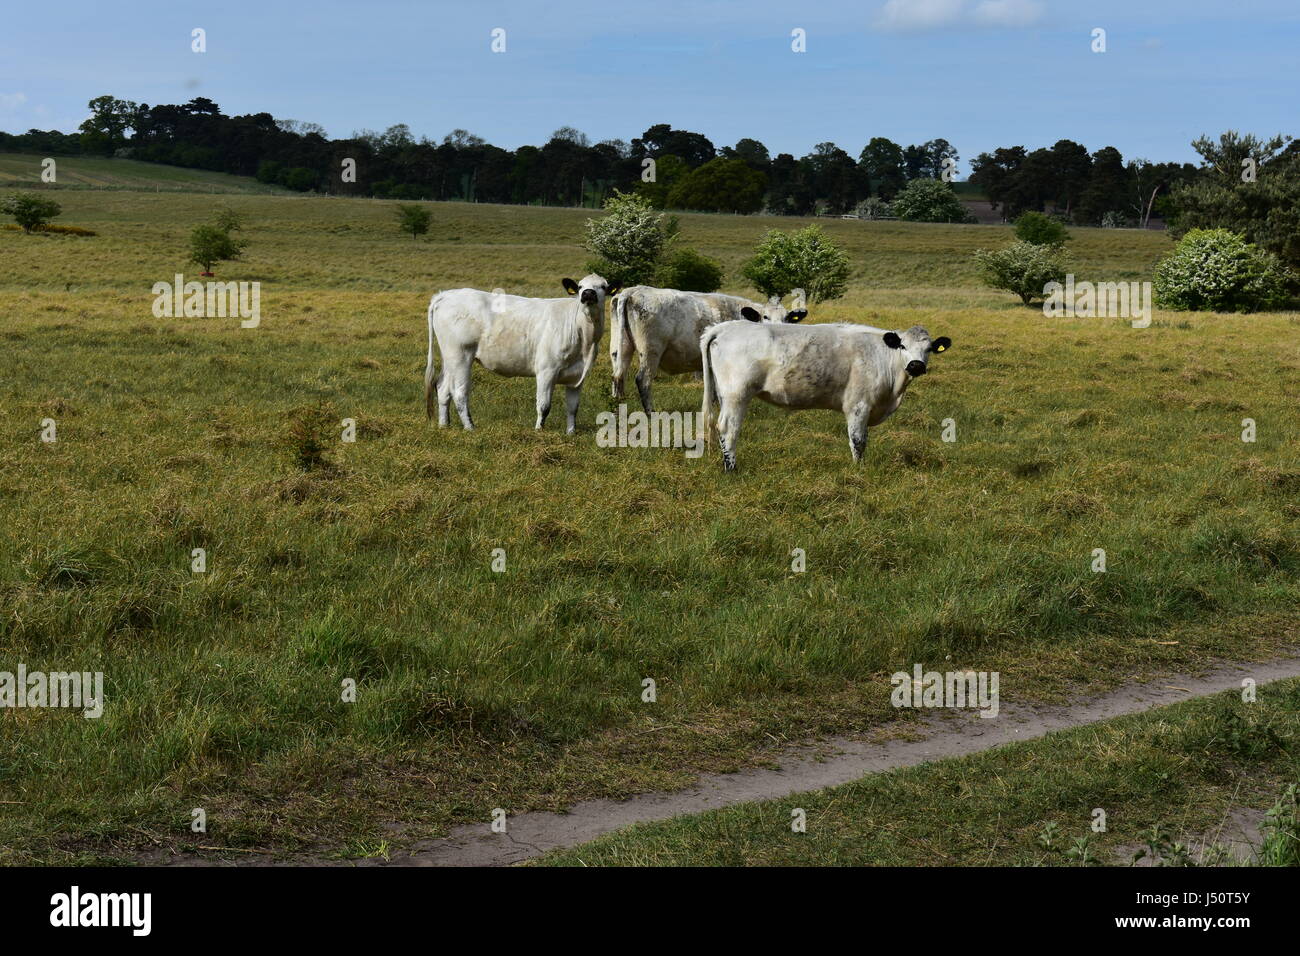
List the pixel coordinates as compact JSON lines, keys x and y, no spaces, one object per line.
{"x":979,"y":73}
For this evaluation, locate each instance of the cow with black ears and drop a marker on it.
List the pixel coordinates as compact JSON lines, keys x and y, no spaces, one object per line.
{"x":854,"y":369}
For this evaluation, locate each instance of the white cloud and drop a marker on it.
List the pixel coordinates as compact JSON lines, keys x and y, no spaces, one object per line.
{"x":925,"y":15}
{"x":9,"y":102}
{"x":919,"y":14}
{"x":1007,"y":13}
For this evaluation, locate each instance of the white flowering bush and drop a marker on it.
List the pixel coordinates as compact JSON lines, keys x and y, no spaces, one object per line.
{"x":806,"y":259}
{"x":930,"y":200}
{"x":1217,"y":270}
{"x":628,"y":241}
{"x":1023,"y":268}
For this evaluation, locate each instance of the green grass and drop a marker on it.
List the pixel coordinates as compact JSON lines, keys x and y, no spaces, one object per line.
{"x":1181,"y":769}
{"x":522,"y":689}
{"x":102,"y":172}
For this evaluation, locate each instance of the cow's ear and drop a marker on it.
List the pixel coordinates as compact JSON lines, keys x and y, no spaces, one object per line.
{"x":796,"y":316}
{"x":570,"y":286}
{"x":749,"y":312}
{"x":893,"y":341}
{"x":613,"y":290}
{"x":941,"y":344}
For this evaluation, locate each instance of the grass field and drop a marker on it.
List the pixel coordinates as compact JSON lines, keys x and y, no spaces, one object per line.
{"x":94,"y":172}
{"x":523,"y":689}
{"x":1185,"y":770}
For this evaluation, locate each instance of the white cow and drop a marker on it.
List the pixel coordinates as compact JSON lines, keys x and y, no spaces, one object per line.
{"x":851,"y":368}
{"x":553,"y":340}
{"x":665,"y":325}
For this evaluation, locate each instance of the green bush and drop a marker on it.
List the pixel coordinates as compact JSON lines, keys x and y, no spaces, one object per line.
{"x":30,"y":210}
{"x":874,"y":208}
{"x":1040,"y":230}
{"x":930,"y":200}
{"x":689,"y":271}
{"x":414,"y":219}
{"x":1023,"y":268}
{"x":629,"y":240}
{"x":1217,"y":270}
{"x":806,"y":259}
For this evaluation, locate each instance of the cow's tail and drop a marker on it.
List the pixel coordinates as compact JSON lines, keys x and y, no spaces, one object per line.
{"x":620,"y":339}
{"x":710,"y":386}
{"x":430,"y":382}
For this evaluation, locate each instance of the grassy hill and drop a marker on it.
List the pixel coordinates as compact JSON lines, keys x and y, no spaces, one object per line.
{"x":99,"y":172}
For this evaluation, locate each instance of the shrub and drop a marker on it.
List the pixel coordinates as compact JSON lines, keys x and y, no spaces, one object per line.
{"x":1217,"y":270}
{"x":414,"y":219}
{"x":689,"y":271}
{"x":628,"y":241}
{"x":30,"y":210}
{"x":1114,"y":219}
{"x":930,"y":200}
{"x":874,"y":208}
{"x":1040,"y":230}
{"x":805,"y":259}
{"x":1022,"y":268}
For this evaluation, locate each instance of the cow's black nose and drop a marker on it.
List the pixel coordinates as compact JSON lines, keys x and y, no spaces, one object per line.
{"x":915,"y":368}
{"x":587,"y":296}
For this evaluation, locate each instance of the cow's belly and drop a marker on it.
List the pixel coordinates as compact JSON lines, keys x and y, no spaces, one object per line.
{"x":801,"y":388}
{"x":504,"y":350}
{"x":571,"y":374}
{"x":681,"y":356}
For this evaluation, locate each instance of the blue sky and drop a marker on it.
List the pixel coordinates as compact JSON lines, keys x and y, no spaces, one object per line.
{"x":980,"y":73}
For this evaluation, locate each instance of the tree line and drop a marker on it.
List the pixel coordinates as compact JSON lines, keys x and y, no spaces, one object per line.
{"x":689,"y":171}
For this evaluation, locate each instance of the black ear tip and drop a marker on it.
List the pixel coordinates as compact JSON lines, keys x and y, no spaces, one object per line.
{"x":750,"y":313}
{"x":892,"y":340}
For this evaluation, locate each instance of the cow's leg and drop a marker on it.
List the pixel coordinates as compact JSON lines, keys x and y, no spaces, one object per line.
{"x":857,"y":420}
{"x":571,"y":398}
{"x":731,"y":412}
{"x":444,"y":397}
{"x":459,"y":373}
{"x":545,"y":386}
{"x":645,"y":375}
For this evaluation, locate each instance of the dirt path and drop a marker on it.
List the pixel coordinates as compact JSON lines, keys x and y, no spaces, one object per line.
{"x":810,"y":767}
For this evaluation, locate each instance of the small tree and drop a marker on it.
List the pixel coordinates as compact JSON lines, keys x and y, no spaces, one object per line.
{"x":210,"y":245}
{"x":628,"y":241}
{"x":930,"y":200}
{"x":414,"y":219}
{"x":805,"y":259}
{"x":30,"y":210}
{"x":1040,"y":230}
{"x":1217,"y":270}
{"x":228,"y":220}
{"x":1022,"y":268}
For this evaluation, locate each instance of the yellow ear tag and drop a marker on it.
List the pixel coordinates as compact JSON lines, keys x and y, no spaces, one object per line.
{"x":941,"y":348}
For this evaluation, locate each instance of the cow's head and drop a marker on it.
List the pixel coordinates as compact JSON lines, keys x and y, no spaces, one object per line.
{"x":592,"y":290}
{"x":916,"y":347}
{"x":773,"y":312}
